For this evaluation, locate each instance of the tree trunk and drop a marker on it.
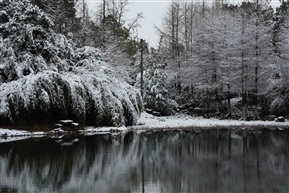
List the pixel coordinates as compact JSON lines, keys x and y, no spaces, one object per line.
{"x":103,"y":12}
{"x":256,"y":61}
{"x":173,"y":31}
{"x":243,"y":73}
{"x":186,"y":27}
{"x":178,"y":49}
{"x":141,"y":68}
{"x":203,"y":9}
{"x":191,"y":27}
{"x":229,"y":101}
{"x":217,"y":100}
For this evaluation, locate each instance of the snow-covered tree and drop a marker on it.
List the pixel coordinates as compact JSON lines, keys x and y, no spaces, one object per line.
{"x":281,"y":29}
{"x":278,"y":92}
{"x":155,"y":87}
{"x":44,"y":77}
{"x":63,"y":13}
{"x":220,"y":51}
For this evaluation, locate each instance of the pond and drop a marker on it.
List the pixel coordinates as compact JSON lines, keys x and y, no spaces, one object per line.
{"x":219,"y":160}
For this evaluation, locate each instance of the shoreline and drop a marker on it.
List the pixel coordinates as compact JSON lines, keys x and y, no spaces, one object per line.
{"x":146,"y":122}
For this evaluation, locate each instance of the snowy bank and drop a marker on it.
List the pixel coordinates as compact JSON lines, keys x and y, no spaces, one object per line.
{"x":9,"y":135}
{"x":145,"y":123}
{"x":148,"y":121}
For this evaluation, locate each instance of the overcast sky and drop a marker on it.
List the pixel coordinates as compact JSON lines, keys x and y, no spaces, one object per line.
{"x":153,"y":12}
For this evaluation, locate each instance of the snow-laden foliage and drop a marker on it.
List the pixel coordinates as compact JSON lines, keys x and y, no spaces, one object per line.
{"x":155,"y":92}
{"x":28,"y":45}
{"x":277,"y":106}
{"x":120,"y":61}
{"x":278,"y":93}
{"x":45,"y":78}
{"x":277,"y":89}
{"x":281,"y":28}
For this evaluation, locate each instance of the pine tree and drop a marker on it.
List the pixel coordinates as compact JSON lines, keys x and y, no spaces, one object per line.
{"x":63,"y":13}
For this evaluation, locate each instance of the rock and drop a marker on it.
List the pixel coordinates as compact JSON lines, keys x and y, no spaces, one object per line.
{"x":74,"y":124}
{"x":197,"y":111}
{"x":58,"y":131}
{"x":65,"y":122}
{"x":280,"y":119}
{"x":66,"y":125}
{"x":150,"y":111}
{"x":157,"y":114}
{"x":58,"y":125}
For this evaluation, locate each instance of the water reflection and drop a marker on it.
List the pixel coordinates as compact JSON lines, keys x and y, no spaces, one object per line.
{"x":152,"y":162}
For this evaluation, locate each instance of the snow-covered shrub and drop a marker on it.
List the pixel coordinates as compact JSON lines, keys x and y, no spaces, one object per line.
{"x":86,"y":97}
{"x":29,"y":42}
{"x":278,"y":95}
{"x":155,"y":90}
{"x":278,"y":106}
{"x":44,"y":78}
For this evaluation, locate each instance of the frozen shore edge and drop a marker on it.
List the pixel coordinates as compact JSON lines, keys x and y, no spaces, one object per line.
{"x":150,"y":122}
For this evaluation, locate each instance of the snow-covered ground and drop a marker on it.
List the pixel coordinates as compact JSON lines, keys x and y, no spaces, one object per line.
{"x":8,"y":135}
{"x":14,"y":133}
{"x":148,"y":121}
{"x":181,"y":121}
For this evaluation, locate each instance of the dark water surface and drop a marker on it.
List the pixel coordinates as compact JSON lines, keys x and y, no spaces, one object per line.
{"x":153,"y":162}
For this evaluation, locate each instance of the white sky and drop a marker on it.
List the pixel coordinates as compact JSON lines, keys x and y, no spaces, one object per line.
{"x":153,"y":12}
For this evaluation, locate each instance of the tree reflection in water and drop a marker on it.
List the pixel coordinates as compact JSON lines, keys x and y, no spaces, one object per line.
{"x":219,"y":160}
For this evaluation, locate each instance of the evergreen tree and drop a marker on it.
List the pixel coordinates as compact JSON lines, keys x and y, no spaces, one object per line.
{"x":63,"y":13}
{"x":156,"y":94}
